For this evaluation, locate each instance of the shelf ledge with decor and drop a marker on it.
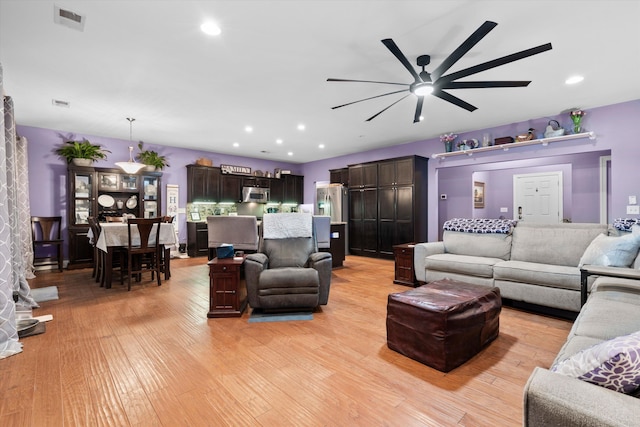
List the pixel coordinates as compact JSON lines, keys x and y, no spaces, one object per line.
{"x":507,"y":147}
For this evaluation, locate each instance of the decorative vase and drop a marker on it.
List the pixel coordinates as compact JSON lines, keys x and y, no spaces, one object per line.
{"x":82,"y":162}
{"x":149,"y":168}
{"x":448,"y":146}
{"x":577,"y":127}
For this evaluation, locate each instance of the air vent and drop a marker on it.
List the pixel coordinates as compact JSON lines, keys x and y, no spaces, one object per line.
{"x":68,"y":18}
{"x":59,"y":103}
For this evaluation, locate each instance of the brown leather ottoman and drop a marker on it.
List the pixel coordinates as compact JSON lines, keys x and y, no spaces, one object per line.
{"x":444,"y":323}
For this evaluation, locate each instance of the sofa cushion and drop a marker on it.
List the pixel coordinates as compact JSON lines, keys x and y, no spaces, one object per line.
{"x":604,"y":318}
{"x":556,"y":276}
{"x":557,"y":244}
{"x":612,"y":251}
{"x":613,"y":364}
{"x":462,"y":264}
{"x":574,"y":345}
{"x":495,"y":245}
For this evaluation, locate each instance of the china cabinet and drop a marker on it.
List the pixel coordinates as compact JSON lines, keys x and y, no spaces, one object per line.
{"x":103,"y":192}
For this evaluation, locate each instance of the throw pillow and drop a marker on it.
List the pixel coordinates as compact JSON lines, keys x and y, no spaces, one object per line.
{"x":613,"y":364}
{"x":612,"y":251}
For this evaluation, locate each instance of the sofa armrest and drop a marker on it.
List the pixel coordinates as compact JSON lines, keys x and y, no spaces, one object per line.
{"x":558,"y":400}
{"x":420,"y":252}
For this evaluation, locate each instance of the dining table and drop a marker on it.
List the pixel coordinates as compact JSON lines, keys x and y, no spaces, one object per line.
{"x":115,"y":235}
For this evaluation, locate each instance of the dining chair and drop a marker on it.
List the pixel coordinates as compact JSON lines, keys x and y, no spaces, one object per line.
{"x":45,"y":233}
{"x":143,"y":256}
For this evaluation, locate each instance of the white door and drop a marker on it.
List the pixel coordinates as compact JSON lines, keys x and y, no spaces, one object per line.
{"x":537,"y":197}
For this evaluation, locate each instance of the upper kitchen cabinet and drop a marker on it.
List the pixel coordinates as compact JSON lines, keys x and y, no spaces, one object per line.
{"x":203,"y":183}
{"x":363,"y":175}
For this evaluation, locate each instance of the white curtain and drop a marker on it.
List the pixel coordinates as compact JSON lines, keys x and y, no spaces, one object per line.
{"x":12,"y":253}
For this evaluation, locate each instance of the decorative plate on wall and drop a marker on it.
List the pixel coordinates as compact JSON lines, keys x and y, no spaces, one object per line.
{"x":106,"y":201}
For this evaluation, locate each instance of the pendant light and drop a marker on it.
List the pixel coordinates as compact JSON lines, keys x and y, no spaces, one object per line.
{"x":130,"y":166}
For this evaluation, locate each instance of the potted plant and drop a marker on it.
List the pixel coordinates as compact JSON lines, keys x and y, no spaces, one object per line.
{"x":81,"y":153}
{"x":151,"y":158}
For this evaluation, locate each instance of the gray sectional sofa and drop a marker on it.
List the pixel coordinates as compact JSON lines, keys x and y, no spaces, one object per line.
{"x":538,"y":263}
{"x":551,"y":399}
{"x":533,"y":263}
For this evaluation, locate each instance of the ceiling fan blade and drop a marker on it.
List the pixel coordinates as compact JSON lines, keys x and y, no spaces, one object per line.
{"x":481,"y":85}
{"x":454,"y":100}
{"x":391,"y":45}
{"x":366,"y":99}
{"x":465,"y":47}
{"x":380,"y":112}
{"x":366,"y":81}
{"x":496,"y":62}
{"x":416,"y":117}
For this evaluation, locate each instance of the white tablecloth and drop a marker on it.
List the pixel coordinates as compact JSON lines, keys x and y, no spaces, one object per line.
{"x":116,"y":234}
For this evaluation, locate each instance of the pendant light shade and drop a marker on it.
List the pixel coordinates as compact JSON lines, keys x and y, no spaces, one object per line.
{"x":130,"y":166}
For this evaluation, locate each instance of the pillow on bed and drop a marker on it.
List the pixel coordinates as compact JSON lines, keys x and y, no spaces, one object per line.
{"x":613,"y":364}
{"x":612,"y":251}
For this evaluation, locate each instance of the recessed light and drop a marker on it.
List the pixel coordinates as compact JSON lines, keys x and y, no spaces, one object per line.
{"x":321,"y":146}
{"x":235,"y":144}
{"x":248,"y":129}
{"x":210,"y":28}
{"x":574,"y":79}
{"x":278,"y":141}
{"x":290,"y":153}
{"x":301,"y":126}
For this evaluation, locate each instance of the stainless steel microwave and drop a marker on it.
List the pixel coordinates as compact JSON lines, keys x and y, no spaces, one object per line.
{"x":255,"y":194}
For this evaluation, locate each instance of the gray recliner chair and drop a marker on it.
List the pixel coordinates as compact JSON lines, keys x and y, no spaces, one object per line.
{"x":288,"y":272}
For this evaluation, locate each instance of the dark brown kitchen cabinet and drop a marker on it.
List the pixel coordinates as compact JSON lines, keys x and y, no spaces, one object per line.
{"x":256,"y":182}
{"x":293,"y":189}
{"x":230,"y":188}
{"x":400,"y":205}
{"x":339,"y":176}
{"x":363,"y":221}
{"x":276,"y":190}
{"x":197,"y":239}
{"x":203,"y":183}
{"x":363,"y":175}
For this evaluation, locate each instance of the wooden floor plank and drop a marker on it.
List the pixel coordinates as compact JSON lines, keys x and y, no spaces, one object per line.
{"x":151,"y":357}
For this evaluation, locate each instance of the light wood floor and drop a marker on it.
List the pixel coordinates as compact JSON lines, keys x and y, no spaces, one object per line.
{"x":150,"y":357}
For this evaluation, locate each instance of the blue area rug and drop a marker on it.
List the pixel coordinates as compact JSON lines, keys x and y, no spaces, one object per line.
{"x":45,"y":294}
{"x":258,"y":316}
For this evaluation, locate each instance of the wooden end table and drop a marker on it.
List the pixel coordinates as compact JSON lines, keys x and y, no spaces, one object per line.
{"x":405,"y":274}
{"x":227,"y":287}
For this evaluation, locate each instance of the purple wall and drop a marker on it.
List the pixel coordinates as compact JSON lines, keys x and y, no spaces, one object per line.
{"x":614,"y":127}
{"x":48,"y":173}
{"x":615,"y":131}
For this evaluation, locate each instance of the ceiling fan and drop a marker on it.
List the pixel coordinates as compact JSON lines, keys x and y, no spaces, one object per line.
{"x":436,"y":82}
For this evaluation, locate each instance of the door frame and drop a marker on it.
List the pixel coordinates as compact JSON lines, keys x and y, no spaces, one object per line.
{"x":604,"y":184}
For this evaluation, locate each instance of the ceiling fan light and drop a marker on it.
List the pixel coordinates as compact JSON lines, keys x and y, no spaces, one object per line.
{"x":423,"y":89}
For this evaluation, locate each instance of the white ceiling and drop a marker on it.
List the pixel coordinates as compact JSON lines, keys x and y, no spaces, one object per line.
{"x":268,"y":69}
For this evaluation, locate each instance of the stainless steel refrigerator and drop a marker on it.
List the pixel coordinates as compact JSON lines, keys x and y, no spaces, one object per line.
{"x":332,"y":200}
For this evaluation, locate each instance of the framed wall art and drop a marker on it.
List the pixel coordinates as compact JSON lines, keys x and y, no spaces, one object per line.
{"x":478,"y":194}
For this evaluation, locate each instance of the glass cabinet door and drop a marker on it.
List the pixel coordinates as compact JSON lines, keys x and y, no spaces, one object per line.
{"x":150,"y":191}
{"x":129,"y":182}
{"x":82,"y":206}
